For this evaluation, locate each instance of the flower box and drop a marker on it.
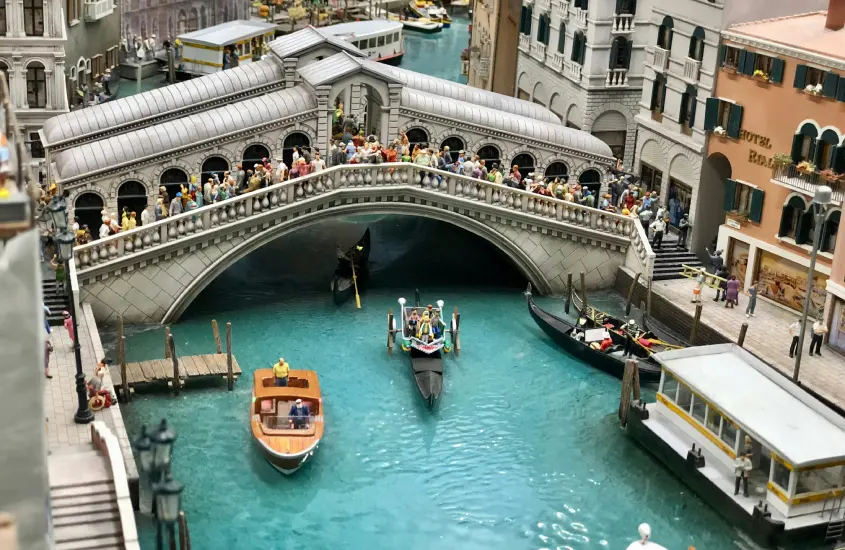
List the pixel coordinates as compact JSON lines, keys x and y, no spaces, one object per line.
{"x":760,"y":76}
{"x":719,"y":131}
{"x":730,"y":69}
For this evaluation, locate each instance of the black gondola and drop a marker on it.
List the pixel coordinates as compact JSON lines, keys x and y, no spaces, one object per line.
{"x":358,"y":256}
{"x":428,"y":374}
{"x":645,"y":342}
{"x":611,"y":361}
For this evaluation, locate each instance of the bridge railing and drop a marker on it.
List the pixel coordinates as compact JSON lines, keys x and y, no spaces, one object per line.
{"x":350,"y":176}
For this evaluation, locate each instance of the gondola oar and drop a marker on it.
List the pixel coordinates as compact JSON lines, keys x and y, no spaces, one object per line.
{"x":355,"y":282}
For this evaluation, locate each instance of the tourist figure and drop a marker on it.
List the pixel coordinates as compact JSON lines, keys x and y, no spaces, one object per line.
{"x":683,"y":229}
{"x":752,"y":299}
{"x":742,"y":471}
{"x":59,"y":268}
{"x":696,"y":290}
{"x":159,"y":210}
{"x":68,"y":322}
{"x":176,"y":205}
{"x":721,"y":290}
{"x":645,"y":215}
{"x":413,"y":320}
{"x":48,"y":349}
{"x":795,"y":332}
{"x":732,"y":292}
{"x":819,"y":330}
{"x":318,"y":165}
{"x":716,"y":259}
{"x":281,"y":370}
{"x":658,"y":226}
{"x":299,"y":415}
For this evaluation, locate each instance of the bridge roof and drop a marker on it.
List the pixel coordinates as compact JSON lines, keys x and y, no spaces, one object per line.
{"x":182,"y":132}
{"x":486,"y":117}
{"x":337,"y":66}
{"x":160,"y":101}
{"x":296,"y":43}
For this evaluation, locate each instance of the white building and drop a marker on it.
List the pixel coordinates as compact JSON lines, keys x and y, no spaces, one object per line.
{"x":584,"y":61}
{"x":32,"y":54}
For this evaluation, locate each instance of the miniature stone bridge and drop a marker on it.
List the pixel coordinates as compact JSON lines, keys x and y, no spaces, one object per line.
{"x":152,"y":273}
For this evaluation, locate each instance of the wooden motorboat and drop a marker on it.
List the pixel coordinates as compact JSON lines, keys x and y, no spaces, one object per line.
{"x":351,"y":269}
{"x":431,"y":11}
{"x":645,"y":342}
{"x":417,"y":24}
{"x":286,"y":442}
{"x":578,"y":341}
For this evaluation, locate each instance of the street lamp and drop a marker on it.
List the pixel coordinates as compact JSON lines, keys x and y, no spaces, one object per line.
{"x":167,"y":498}
{"x":155,"y":449}
{"x":144,"y":447}
{"x":65,"y":239}
{"x":821,"y":199}
{"x":162,"y":441}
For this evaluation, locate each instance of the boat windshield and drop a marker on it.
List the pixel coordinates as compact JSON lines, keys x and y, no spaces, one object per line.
{"x":288,"y":422}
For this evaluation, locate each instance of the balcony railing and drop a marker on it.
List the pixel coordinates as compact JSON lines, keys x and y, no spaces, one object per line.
{"x":538,"y":51}
{"x":581,"y":17}
{"x":660,"y":61}
{"x":691,"y":69}
{"x":623,"y":23}
{"x":561,"y":7}
{"x":789,"y":176}
{"x":573,"y":71}
{"x":524,"y":42}
{"x":97,"y":9}
{"x":544,"y":5}
{"x":556,"y":61}
{"x":616,"y":78}
{"x":482,"y":67}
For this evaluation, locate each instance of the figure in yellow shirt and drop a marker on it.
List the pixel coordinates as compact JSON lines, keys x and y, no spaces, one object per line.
{"x":280,"y":372}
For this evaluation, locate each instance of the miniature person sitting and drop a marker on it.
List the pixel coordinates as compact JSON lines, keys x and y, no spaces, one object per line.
{"x":299,"y":415}
{"x":99,"y":397}
{"x":424,"y":330}
{"x":413,"y":320}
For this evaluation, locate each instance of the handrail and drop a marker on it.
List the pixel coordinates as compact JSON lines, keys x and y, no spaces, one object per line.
{"x":711,"y":280}
{"x":352,"y":176}
{"x":645,"y":255}
{"x":106,"y":442}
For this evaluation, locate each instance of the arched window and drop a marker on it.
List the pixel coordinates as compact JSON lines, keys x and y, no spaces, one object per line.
{"x":88,"y":209}
{"x":491,"y":155}
{"x":696,"y":44}
{"x":203,"y":17}
{"x":626,"y":7}
{"x":525,"y":162}
{"x":417,"y":136}
{"x":173,"y":179}
{"x":579,"y":47}
{"x":824,"y":149}
{"x":557,"y":170}
{"x":590,"y":179}
{"x":182,"y":21}
{"x":36,"y":86}
{"x":831,"y":230}
{"x":544,"y":29}
{"x":792,"y":217}
{"x":620,"y":53}
{"x":561,"y":38}
{"x":213,"y":165}
{"x":253,"y":155}
{"x":658,"y":93}
{"x":5,"y":69}
{"x":193,"y":20}
{"x":144,"y":28}
{"x":455,"y":144}
{"x":525,"y":20}
{"x":236,"y":11}
{"x":804,"y":143}
{"x":582,"y":4}
{"x":33,"y":17}
{"x":3,"y":25}
{"x":131,"y":195}
{"x":664,"y":33}
{"x":688,"y":102}
{"x":293,"y":140}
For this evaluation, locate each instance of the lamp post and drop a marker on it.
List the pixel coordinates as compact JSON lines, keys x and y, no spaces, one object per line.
{"x":155,"y":450}
{"x":65,"y":239}
{"x":821,"y":199}
{"x":168,"y":505}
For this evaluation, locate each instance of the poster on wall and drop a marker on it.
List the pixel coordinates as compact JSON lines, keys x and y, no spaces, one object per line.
{"x":785,"y":282}
{"x":738,"y":261}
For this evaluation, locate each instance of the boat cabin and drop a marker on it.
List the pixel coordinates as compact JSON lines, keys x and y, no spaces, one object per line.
{"x":727,"y":402}
{"x":272,"y":404}
{"x":203,"y":50}
{"x":381,"y":40}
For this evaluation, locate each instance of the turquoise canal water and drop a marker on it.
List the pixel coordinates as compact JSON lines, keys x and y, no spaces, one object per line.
{"x":523,"y":452}
{"x":438,"y":54}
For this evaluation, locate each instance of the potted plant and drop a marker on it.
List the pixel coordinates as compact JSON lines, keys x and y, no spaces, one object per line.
{"x":782,"y":159}
{"x":728,"y":68}
{"x":719,"y":131}
{"x":760,"y":75}
{"x":806,"y":167}
{"x":738,"y":217}
{"x":813,"y":90}
{"x":830,"y":176}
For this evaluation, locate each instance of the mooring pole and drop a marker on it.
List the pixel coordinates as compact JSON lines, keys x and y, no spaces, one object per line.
{"x":229,"y":370}
{"x":695,"y":322}
{"x":390,"y":332}
{"x":568,"y":293}
{"x":631,"y":294}
{"x":184,"y":533}
{"x":742,"y":330}
{"x":175,"y":361}
{"x":648,"y":297}
{"x":121,"y":359}
{"x":216,"y":330}
{"x":167,"y":342}
{"x":583,"y":294}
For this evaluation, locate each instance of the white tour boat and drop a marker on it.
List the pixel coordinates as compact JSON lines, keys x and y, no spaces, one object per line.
{"x":417,"y":24}
{"x":203,"y":51}
{"x":431,"y":11}
{"x":380,"y":39}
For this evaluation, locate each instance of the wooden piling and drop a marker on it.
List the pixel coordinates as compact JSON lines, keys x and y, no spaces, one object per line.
{"x":742,"y":330}
{"x":568,"y":293}
{"x":627,"y":384}
{"x":648,"y":297}
{"x":583,"y":295}
{"x":229,"y":370}
{"x":167,"y":342}
{"x":695,"y":321}
{"x":121,"y":360}
{"x":631,"y":294}
{"x":456,"y":315}
{"x":184,"y":533}
{"x":175,"y":360}
{"x":216,"y":330}
{"x":390,"y":332}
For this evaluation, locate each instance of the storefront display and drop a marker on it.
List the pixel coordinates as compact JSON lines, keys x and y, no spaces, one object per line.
{"x":738,"y":260}
{"x":837,"y":329}
{"x":785,"y":282}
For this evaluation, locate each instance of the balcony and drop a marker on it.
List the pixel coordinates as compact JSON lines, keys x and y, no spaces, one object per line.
{"x":788,"y":176}
{"x":581,"y":18}
{"x":544,"y":5}
{"x":538,"y":51}
{"x":691,"y":69}
{"x":556,"y":61}
{"x":561,"y":7}
{"x":524,"y":42}
{"x":616,"y":78}
{"x":660,"y":61}
{"x":98,"y":9}
{"x":482,"y":67}
{"x":623,"y":23}
{"x":573,"y":71}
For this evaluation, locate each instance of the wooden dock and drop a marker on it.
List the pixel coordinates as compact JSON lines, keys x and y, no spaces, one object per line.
{"x":192,"y":367}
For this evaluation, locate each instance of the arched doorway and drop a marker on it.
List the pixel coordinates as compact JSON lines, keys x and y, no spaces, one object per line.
{"x":173,"y":179}
{"x":213,"y":165}
{"x":295,"y":139}
{"x":131,"y":195}
{"x":557,"y":170}
{"x":710,"y":209}
{"x":591,"y":179}
{"x":611,"y":127}
{"x":253,"y":155}
{"x":525,"y":162}
{"x":417,"y":136}
{"x":491,"y":155}
{"x":455,"y":145}
{"x":87,"y":208}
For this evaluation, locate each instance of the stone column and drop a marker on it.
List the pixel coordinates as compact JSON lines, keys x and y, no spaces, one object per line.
{"x":17,"y":12}
{"x":60,"y":97}
{"x":323,"y":117}
{"x":47,"y":15}
{"x":18,"y":82}
{"x":50,"y":86}
{"x":390,"y":123}
{"x":347,"y":99}
{"x":290,"y":71}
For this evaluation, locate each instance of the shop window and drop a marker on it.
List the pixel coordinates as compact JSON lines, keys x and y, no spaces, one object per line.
{"x":714,"y":422}
{"x":744,"y":199}
{"x":670,"y":386}
{"x":687,"y":114}
{"x":820,"y":480}
{"x":831,"y":231}
{"x":650,"y":177}
{"x":699,"y":409}
{"x":730,"y":56}
{"x":658,"y":94}
{"x":696,"y":44}
{"x":804,"y":143}
{"x":780,"y":475}
{"x":723,"y":114}
{"x":729,"y":433}
{"x":664,"y":33}
{"x":793,"y":211}
{"x":680,"y":200}
{"x":684,"y":397}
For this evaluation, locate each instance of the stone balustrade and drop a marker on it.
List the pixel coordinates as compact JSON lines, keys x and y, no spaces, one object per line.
{"x":691,"y":69}
{"x":660,"y":61}
{"x":581,"y":17}
{"x":641,"y":250}
{"x":561,"y":7}
{"x":524,"y":42}
{"x":573,"y":71}
{"x":616,"y":78}
{"x":556,"y":61}
{"x":623,"y":23}
{"x":538,"y":51}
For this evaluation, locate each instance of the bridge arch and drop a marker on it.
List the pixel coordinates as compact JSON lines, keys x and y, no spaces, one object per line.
{"x":198,"y":283}
{"x":214,"y":164}
{"x":291,"y":141}
{"x":87,"y":207}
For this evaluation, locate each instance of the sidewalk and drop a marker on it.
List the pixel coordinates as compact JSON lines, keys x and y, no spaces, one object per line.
{"x":767,"y":336}
{"x":60,"y":400}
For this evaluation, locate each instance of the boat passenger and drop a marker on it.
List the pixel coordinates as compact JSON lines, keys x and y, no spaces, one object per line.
{"x":299,"y":414}
{"x":437,"y":325}
{"x":413,"y":320}
{"x":424,"y":330}
{"x":281,"y":370}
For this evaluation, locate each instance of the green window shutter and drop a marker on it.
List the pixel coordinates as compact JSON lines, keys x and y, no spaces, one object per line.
{"x":840,"y":90}
{"x":800,"y":77}
{"x":730,"y":194}
{"x":723,"y":54}
{"x":756,"y":213}
{"x":839,"y":159}
{"x":750,"y":59}
{"x":802,"y":230}
{"x":831,"y":80}
{"x":797,"y":144}
{"x":691,"y":121}
{"x":682,"y":116}
{"x":561,"y":39}
{"x":711,"y":113}
{"x":663,"y":98}
{"x":614,"y":52}
{"x":734,"y":121}
{"x":741,"y":65}
{"x":776,"y":75}
{"x":583,"y":50}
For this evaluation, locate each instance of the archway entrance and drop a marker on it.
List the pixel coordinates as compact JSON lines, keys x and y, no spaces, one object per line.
{"x":491,"y":155}
{"x":525,"y":162}
{"x":557,"y":170}
{"x":173,"y":179}
{"x":293,"y":140}
{"x":710,"y":212}
{"x":213,"y":165}
{"x":417,"y":136}
{"x":131,"y":195}
{"x":87,"y":208}
{"x":455,"y":145}
{"x":253,"y":155}
{"x":591,"y":179}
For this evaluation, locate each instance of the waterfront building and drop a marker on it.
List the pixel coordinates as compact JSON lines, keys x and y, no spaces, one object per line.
{"x":492,"y":55}
{"x":93,"y":32}
{"x":167,"y":19}
{"x":775,"y":128}
{"x":681,"y":40}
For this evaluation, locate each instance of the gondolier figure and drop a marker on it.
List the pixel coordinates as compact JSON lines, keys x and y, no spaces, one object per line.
{"x":281,"y":370}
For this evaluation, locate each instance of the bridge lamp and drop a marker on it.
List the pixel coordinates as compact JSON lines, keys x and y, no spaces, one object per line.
{"x":162,"y":441}
{"x":65,"y":241}
{"x":144,"y":447}
{"x":168,"y":506}
{"x":57,"y":209}
{"x":402,"y":302}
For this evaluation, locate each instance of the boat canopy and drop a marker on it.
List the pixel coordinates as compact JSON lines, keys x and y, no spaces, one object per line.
{"x":763,"y":403}
{"x":228,"y":33}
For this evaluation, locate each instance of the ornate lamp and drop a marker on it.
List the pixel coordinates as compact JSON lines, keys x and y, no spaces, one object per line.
{"x":58,"y":213}
{"x":163,"y":441}
{"x":66,"y":239}
{"x":144,"y":446}
{"x":168,"y":502}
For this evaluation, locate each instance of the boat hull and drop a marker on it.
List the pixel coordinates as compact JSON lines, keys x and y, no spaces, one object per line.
{"x":428,"y":375}
{"x":425,"y":29}
{"x":394,"y":60}
{"x":286,"y":464}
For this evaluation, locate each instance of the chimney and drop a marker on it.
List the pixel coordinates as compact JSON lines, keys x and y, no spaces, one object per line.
{"x":835,"y":15}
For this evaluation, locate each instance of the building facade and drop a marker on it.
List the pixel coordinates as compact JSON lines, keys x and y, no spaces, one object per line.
{"x":93,"y":31}
{"x":32,"y":54}
{"x":584,"y":61}
{"x":166,"y":19}
{"x":495,"y":30}
{"x":776,"y":131}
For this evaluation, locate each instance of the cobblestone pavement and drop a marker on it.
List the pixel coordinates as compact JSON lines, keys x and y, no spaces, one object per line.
{"x":767,"y":336}
{"x":60,"y":399}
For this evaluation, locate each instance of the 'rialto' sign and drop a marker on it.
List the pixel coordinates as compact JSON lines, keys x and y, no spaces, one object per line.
{"x":753,"y":156}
